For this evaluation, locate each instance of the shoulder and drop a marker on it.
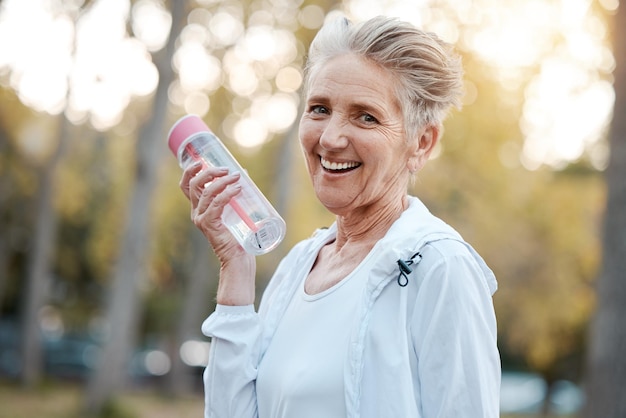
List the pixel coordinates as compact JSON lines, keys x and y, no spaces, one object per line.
{"x":451,"y":266}
{"x":443,"y":251}
{"x":453,"y":289}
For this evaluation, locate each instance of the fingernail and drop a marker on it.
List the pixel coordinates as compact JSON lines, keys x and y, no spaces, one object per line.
{"x":234,"y":188}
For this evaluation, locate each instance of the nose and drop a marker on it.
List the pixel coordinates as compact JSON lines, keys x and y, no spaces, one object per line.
{"x":335,"y":134}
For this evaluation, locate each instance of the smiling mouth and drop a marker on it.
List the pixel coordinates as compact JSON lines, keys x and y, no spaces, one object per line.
{"x":339,"y":167}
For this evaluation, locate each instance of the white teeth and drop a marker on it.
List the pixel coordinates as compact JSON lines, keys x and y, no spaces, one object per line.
{"x":338,"y":166}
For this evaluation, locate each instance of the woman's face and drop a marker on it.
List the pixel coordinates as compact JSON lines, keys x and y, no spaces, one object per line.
{"x":353,"y":138}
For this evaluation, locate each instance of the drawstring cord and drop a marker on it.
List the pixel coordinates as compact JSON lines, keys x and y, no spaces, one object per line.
{"x":405,"y":270}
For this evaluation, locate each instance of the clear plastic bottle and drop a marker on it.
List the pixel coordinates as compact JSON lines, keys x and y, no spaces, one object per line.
{"x":249,"y":216}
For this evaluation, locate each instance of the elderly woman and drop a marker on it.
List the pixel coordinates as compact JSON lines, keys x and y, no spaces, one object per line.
{"x":388,"y":312}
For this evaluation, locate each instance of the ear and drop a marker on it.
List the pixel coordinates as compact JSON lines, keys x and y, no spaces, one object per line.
{"x":427,"y":139}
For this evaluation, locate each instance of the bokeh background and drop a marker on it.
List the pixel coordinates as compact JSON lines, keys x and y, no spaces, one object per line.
{"x":104,"y":282}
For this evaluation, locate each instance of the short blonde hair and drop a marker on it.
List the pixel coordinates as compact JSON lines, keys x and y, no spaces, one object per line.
{"x":428,"y":72}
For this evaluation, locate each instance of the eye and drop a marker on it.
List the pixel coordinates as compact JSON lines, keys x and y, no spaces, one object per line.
{"x":368,"y":119}
{"x":319,"y":109}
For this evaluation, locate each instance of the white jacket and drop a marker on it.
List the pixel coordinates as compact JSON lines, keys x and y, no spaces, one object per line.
{"x":424,"y":350}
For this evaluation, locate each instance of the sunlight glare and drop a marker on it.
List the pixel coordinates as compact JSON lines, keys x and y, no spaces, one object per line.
{"x":260,"y":43}
{"x":94,"y":60}
{"x":242,"y":79}
{"x":42,"y":92}
{"x":276,"y":112}
{"x":573,"y":11}
{"x":197,"y":103}
{"x":415,"y":11}
{"x":109,"y":66}
{"x":176,"y":94}
{"x":195,"y":33}
{"x":515,"y":35}
{"x":37,"y":54}
{"x":138,"y":75}
{"x":250,"y":133}
{"x":564,"y":112}
{"x":36,"y":140}
{"x":226,"y":28}
{"x":311,"y":16}
{"x":151,"y":23}
{"x":108,"y":106}
{"x":272,"y":47}
{"x":446,"y":30}
{"x":197,"y":69}
{"x":610,"y":5}
{"x":261,"y":17}
{"x":288,"y":79}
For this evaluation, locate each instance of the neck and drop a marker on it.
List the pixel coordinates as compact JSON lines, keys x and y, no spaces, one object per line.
{"x":369,"y":224}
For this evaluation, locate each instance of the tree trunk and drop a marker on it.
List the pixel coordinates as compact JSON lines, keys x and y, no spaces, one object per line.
{"x":4,"y":265}
{"x":606,"y":378}
{"x":5,"y":187}
{"x":123,"y":303}
{"x":203,"y":276}
{"x":39,"y":271}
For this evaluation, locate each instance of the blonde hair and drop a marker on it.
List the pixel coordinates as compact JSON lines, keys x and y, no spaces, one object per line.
{"x":428,"y":72}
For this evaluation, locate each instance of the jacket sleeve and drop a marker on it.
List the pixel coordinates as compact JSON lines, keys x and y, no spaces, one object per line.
{"x":237,"y":336}
{"x":230,"y":376}
{"x":454,"y":335}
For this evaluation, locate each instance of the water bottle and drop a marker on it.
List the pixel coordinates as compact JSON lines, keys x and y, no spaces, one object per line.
{"x":249,"y":216}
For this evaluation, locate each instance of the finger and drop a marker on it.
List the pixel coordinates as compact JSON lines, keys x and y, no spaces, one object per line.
{"x":202,"y":178}
{"x":217,"y":194}
{"x":188,"y":174}
{"x":211,"y":218}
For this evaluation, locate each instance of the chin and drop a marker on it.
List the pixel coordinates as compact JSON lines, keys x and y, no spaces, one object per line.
{"x":337,"y":199}
{"x":337,"y":207}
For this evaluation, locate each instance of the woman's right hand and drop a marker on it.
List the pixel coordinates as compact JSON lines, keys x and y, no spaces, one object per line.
{"x":209,"y":190}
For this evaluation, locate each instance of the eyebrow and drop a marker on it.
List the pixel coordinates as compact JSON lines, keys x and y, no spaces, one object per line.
{"x":318,"y":98}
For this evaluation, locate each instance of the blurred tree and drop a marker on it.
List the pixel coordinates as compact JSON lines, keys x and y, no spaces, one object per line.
{"x":5,"y":189}
{"x":124,"y":302}
{"x":201,"y":275}
{"x":17,"y":190}
{"x":607,"y":346}
{"x":41,"y":256}
{"x":40,"y":260}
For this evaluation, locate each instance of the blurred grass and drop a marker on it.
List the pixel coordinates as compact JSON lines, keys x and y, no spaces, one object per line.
{"x":537,"y":416}
{"x":65,"y":401}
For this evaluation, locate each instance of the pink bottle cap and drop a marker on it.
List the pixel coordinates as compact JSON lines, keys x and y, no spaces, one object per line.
{"x":183,"y":129}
